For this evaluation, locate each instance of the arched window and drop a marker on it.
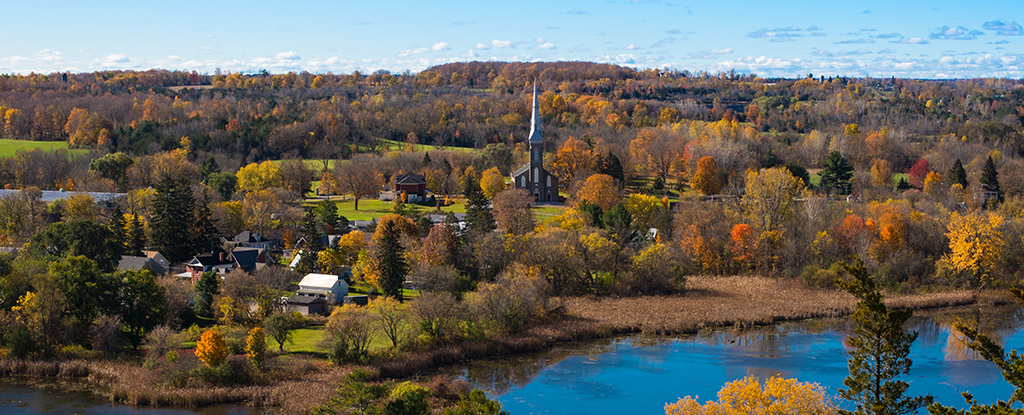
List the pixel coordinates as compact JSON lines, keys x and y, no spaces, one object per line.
{"x":522,"y":181}
{"x":536,"y":175}
{"x":549,"y":184}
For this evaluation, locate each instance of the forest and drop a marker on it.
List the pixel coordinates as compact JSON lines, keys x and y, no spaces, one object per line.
{"x":664,"y":174}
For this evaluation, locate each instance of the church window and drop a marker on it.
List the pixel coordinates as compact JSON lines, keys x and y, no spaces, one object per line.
{"x":536,"y":175}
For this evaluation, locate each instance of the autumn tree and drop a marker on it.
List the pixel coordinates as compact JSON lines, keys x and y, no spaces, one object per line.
{"x":492,"y":182}
{"x":259,"y":208}
{"x":705,"y":179}
{"x":259,"y":176}
{"x":391,"y":317}
{"x":86,"y":128}
{"x":779,"y":396}
{"x":572,"y":158}
{"x":644,"y":209}
{"x":173,"y":213}
{"x":879,"y":355}
{"x":359,"y":177}
{"x":256,"y":347}
{"x":114,"y":167}
{"x":211,"y":348}
{"x":296,"y":176}
{"x":768,"y":204}
{"x":975,"y":244}
{"x":600,"y":190}
{"x":657,"y":151}
{"x":836,"y":173}
{"x":918,"y":172}
{"x":512,"y":211}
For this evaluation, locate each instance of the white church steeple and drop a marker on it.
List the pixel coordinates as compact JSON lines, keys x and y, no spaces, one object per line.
{"x":535,"y":117}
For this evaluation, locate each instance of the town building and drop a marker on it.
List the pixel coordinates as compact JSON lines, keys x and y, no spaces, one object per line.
{"x":532,"y":176}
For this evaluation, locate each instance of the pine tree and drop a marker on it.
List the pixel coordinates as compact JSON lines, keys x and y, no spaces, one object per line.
{"x":880,"y":349}
{"x":613,"y":167}
{"x":989,"y":174}
{"x":836,"y":173}
{"x":312,"y":230}
{"x":426,"y":158}
{"x":117,"y":228}
{"x":957,"y":174}
{"x":327,"y":213}
{"x":390,"y":260}
{"x":136,"y":237}
{"x":173,"y":214}
{"x":204,"y":231}
{"x":479,"y":219}
{"x":206,"y":288}
{"x":210,"y":166}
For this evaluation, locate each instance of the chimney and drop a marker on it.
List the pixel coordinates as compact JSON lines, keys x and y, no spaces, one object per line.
{"x":221,"y":257}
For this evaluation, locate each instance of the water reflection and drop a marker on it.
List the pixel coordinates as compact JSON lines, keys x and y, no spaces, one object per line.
{"x":641,"y":373}
{"x":62,"y":398}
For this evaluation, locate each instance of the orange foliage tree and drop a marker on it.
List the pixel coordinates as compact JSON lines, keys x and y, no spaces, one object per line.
{"x":211,"y":348}
{"x":705,"y":179}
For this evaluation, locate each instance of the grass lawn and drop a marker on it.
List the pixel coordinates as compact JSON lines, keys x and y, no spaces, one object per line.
{"x":9,"y":147}
{"x":370,"y":209}
{"x":313,"y":164}
{"x":304,"y":340}
{"x":547,"y":211}
{"x":397,"y":146}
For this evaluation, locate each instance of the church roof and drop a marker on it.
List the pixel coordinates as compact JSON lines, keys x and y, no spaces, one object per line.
{"x":535,"y":117}
{"x":521,"y":170}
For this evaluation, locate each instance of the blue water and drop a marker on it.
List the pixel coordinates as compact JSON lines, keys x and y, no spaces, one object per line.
{"x":26,"y":399}
{"x":642,"y":374}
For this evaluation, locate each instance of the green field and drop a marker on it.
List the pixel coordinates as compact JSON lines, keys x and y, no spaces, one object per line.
{"x":9,"y":147}
{"x":306,"y":339}
{"x":370,"y":209}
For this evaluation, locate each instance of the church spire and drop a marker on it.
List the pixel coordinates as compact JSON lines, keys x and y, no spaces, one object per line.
{"x":535,"y":117}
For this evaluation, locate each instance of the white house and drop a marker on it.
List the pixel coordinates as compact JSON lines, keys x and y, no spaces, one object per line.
{"x":331,"y":287}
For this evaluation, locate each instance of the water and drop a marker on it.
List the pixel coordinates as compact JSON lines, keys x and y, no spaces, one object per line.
{"x":641,"y":374}
{"x":24,"y":399}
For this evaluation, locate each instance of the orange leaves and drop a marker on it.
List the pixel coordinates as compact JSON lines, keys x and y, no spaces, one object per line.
{"x":600,"y":190}
{"x":705,"y":179}
{"x":573,"y":157}
{"x":744,"y":243}
{"x":211,"y":348}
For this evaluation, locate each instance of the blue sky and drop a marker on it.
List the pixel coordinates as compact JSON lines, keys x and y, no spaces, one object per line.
{"x":935,"y":39}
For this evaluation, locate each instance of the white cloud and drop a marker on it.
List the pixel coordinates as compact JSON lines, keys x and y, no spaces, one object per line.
{"x":546,"y":46}
{"x":482,"y":46}
{"x":501,"y":43}
{"x":631,"y":47}
{"x":440,"y":46}
{"x":408,"y":52}
{"x":288,"y":56}
{"x":538,"y":39}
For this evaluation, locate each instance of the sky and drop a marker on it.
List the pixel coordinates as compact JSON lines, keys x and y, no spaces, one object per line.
{"x":789,"y":38}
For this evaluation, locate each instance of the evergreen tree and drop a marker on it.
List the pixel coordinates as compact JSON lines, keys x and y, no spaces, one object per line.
{"x":902,"y":185}
{"x":312,"y":230}
{"x":204,"y":231}
{"x":479,"y":219}
{"x":880,"y":349}
{"x":612,"y":166}
{"x":117,"y":228}
{"x":799,"y":172}
{"x":957,"y":174}
{"x":836,"y":174}
{"x":426,"y":158}
{"x":173,"y":214}
{"x":989,"y":175}
{"x":136,"y":237}
{"x":327,"y":213}
{"x":390,"y":260}
{"x":206,"y":288}
{"x":210,"y":166}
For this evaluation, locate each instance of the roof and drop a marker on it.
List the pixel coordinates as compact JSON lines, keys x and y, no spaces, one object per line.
{"x":245,"y":257}
{"x":304,"y":299}
{"x":410,"y":178}
{"x":128,"y":263}
{"x":521,"y":170}
{"x":535,"y":117}
{"x":209,"y":260}
{"x":318,"y":280}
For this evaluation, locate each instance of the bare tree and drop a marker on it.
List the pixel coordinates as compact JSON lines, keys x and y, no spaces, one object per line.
{"x":359,"y":177}
{"x":512,"y":211}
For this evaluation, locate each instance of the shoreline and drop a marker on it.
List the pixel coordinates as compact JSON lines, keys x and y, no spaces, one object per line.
{"x":709,"y":302}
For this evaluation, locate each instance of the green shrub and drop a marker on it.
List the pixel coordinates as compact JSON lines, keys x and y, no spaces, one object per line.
{"x":409,"y":399}
{"x":813,"y":276}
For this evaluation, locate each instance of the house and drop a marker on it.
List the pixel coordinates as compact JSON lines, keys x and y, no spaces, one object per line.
{"x":305,"y":304}
{"x":157,"y":257}
{"x":984,"y":192}
{"x":532,"y":176}
{"x":245,"y":259}
{"x":130,"y":263}
{"x":248,"y":240}
{"x":414,"y":186}
{"x":331,"y":287}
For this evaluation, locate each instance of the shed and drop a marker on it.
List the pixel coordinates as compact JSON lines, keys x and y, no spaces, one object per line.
{"x":305,"y":305}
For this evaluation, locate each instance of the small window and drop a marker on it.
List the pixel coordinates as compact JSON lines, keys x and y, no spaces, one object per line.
{"x":549,"y":185}
{"x":536,"y":175}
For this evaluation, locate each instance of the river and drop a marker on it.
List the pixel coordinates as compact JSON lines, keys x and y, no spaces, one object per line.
{"x":640,"y":374}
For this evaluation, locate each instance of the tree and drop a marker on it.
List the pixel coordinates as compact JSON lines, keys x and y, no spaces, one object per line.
{"x":799,"y":172}
{"x":989,"y":174}
{"x":210,"y":166}
{"x":656,"y":150}
{"x":79,"y":238}
{"x":296,"y":176}
{"x":259,"y":209}
{"x":211,"y":348}
{"x":173,"y":213}
{"x":348,"y":333}
{"x":705,"y":179}
{"x":600,"y":190}
{"x":142,"y":303}
{"x":259,"y":176}
{"x":113,"y":166}
{"x":571,"y":159}
{"x":768,"y":204}
{"x":204,"y":231}
{"x":512,"y":211}
{"x":118,"y":230}
{"x":745,"y":396}
{"x":390,"y":258}
{"x":479,"y":219}
{"x":256,"y":347}
{"x":207,"y":287}
{"x":440,"y":245}
{"x":492,"y":182}
{"x":957,"y":174}
{"x":644,"y":209}
{"x":136,"y":236}
{"x":611,"y":166}
{"x":918,"y":172}
{"x":975,"y":244}
{"x":836,"y":173}
{"x":223,"y":183}
{"x":880,"y":349}
{"x":391,"y":317}
{"x":359,"y":177}
{"x":327,"y":214}
{"x":279,"y":326}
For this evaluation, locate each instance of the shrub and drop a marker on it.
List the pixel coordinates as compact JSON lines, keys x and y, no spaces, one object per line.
{"x":160,"y":341}
{"x":813,"y":276}
{"x":745,"y":396}
{"x":511,"y":302}
{"x":409,"y":399}
{"x":348,"y":333}
{"x":437,"y":315}
{"x":256,"y":347}
{"x":211,"y":349}
{"x":106,"y":334}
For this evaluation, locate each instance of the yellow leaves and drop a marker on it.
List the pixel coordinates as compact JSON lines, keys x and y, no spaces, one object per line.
{"x":746,"y":397}
{"x":600,"y":190}
{"x":705,"y":179}
{"x":211,"y":348}
{"x":574,"y":156}
{"x":644,"y":210}
{"x":259,"y":176}
{"x":492,"y":182}
{"x":975,"y":242}
{"x":570,"y":220}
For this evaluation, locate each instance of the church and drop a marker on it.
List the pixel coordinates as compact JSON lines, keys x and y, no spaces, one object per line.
{"x":532,"y":176}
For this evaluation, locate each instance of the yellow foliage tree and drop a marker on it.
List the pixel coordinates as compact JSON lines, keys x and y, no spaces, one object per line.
{"x":211,"y":348}
{"x":881,"y":173}
{"x":492,"y":182}
{"x":259,"y":176}
{"x":572,"y":158}
{"x":933,"y":184}
{"x":746,"y":397}
{"x":256,"y":347}
{"x":600,"y":190}
{"x":644,"y":209}
{"x":975,"y":243}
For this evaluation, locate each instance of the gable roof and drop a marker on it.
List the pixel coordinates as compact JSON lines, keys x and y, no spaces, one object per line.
{"x":319,"y":281}
{"x":209,"y":260}
{"x":410,"y":178}
{"x":245,"y":257}
{"x":304,"y":299}
{"x":521,"y":170}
